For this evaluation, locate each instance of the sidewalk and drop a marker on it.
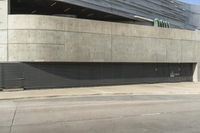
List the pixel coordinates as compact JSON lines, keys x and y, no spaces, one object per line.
{"x":142,"y":89}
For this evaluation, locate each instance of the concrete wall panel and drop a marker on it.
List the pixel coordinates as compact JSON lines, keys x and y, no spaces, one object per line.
{"x":77,"y":40}
{"x":87,"y":47}
{"x":153,"y":32}
{"x":36,"y":22}
{"x":58,"y":24}
{"x":3,"y":30}
{"x":3,"y":36}
{"x":36,"y":53}
{"x":36,"y":36}
{"x":188,"y":51}
{"x":174,"y":52}
{"x":3,"y":14}
{"x":66,"y":46}
{"x":3,"y":52}
{"x":197,"y":50}
{"x":127,"y":49}
{"x":198,"y":72}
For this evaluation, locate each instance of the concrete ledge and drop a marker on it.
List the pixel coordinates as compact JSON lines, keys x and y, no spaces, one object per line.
{"x":143,"y":89}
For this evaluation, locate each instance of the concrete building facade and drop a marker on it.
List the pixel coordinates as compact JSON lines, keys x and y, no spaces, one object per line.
{"x":50,"y":51}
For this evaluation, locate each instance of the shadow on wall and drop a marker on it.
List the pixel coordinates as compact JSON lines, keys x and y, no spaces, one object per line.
{"x":62,"y":75}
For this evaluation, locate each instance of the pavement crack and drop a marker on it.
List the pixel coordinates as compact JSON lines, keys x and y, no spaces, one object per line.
{"x":13,"y":119}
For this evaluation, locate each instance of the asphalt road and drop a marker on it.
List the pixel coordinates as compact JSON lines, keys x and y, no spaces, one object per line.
{"x":102,"y":114}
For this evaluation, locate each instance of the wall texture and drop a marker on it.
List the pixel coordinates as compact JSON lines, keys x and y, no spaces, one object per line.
{"x":3,"y":29}
{"x":59,"y":39}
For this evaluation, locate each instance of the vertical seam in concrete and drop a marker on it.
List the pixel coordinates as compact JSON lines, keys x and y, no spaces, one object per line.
{"x":7,"y":30}
{"x":13,"y":119}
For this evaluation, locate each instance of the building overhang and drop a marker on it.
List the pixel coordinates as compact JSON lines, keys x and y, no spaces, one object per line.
{"x":178,"y":14}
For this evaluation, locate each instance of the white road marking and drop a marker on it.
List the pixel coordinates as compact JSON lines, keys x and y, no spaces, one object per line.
{"x":153,"y":114}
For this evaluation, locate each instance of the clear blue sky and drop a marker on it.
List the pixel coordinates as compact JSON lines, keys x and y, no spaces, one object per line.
{"x":192,"y":1}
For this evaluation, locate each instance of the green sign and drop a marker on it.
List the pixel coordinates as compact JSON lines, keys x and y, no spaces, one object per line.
{"x":161,"y":23}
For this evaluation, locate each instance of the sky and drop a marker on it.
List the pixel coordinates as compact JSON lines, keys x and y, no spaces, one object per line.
{"x":192,"y":1}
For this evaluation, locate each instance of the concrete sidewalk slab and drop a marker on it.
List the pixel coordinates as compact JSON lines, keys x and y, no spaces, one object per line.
{"x":141,"y":89}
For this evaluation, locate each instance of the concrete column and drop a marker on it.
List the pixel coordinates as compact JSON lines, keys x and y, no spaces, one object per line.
{"x":3,"y":30}
{"x":196,"y":72}
{"x":3,"y":14}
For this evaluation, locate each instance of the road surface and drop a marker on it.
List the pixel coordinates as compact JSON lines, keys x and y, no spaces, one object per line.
{"x":102,"y":114}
